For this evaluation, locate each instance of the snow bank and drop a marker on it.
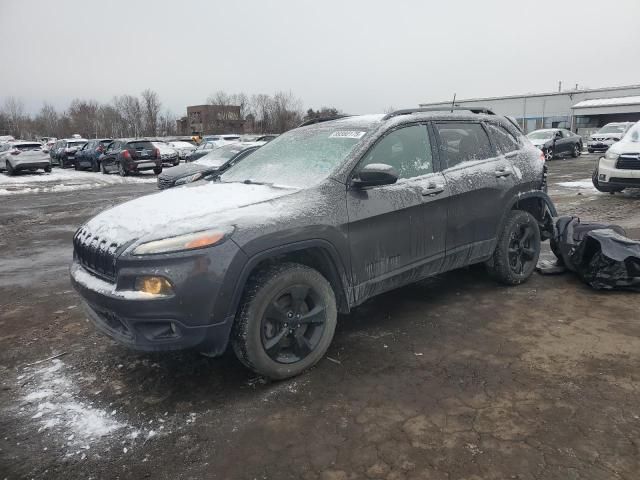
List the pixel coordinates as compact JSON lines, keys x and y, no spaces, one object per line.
{"x":64,"y":181}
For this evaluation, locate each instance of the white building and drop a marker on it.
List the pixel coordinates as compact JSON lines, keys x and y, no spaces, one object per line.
{"x":582,"y":111}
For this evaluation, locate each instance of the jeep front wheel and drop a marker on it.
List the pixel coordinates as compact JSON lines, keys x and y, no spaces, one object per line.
{"x":286,"y":321}
{"x":518,"y":249}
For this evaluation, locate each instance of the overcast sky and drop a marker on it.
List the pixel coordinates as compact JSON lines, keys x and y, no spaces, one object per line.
{"x":359,"y":56}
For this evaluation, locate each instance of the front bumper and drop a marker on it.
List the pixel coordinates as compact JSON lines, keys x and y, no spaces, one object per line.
{"x":608,"y":174}
{"x":599,"y":145}
{"x":197,"y":314}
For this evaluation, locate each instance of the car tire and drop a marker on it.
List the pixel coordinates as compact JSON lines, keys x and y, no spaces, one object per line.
{"x":577,"y":150}
{"x":270,"y":335}
{"x":157,"y":171}
{"x":47,"y":169}
{"x":518,"y":249}
{"x":10,"y":170}
{"x":76,"y":166}
{"x":589,"y":150}
{"x":603,"y":188}
{"x":95,"y":167}
{"x":61,"y":162}
{"x":121,"y":170}
{"x":548,"y":154}
{"x":103,"y":170}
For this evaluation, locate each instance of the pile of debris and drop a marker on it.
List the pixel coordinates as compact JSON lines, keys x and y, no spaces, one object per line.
{"x":601,"y":255}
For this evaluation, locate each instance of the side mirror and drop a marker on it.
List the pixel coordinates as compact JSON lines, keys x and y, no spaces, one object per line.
{"x":375,"y":174}
{"x":557,"y":136}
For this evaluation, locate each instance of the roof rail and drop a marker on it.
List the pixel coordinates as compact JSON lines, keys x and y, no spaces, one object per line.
{"x":409,"y":111}
{"x":311,"y":121}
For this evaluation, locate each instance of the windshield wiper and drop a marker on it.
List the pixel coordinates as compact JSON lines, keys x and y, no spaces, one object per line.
{"x":248,"y":181}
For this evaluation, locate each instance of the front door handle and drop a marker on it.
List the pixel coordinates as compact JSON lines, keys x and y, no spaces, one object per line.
{"x":502,"y":172}
{"x":432,"y":189}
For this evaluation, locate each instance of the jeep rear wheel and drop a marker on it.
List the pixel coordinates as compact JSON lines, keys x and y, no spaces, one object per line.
{"x":286,"y":321}
{"x":518,"y":249}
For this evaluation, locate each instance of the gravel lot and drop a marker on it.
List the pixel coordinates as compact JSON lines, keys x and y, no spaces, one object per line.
{"x":452,"y":378}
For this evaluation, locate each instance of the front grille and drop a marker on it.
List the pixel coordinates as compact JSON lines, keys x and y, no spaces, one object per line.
{"x":627,"y":181}
{"x":628,"y":162}
{"x":164,"y":182}
{"x":96,"y":254}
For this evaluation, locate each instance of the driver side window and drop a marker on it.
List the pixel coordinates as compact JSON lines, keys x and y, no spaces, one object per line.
{"x":407,"y":149}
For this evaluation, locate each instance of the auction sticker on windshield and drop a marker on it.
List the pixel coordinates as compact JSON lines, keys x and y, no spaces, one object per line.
{"x":347,"y":134}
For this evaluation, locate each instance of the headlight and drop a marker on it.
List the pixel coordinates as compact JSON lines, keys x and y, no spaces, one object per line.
{"x":189,"y":179}
{"x":190,"y":241}
{"x":611,"y":156}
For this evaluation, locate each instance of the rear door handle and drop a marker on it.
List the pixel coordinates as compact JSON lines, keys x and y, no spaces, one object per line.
{"x":502,"y":172}
{"x":432,"y":189}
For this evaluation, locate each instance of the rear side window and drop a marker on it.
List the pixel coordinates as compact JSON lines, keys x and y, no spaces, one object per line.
{"x":407,"y":149}
{"x":463,"y":142}
{"x":502,"y":138}
{"x":28,"y":146}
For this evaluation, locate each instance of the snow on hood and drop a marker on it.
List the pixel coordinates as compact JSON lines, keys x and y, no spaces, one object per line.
{"x":606,"y":135}
{"x":183,"y":210}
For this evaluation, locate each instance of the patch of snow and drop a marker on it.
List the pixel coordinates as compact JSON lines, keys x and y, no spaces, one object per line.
{"x":64,"y":181}
{"x":586,"y":183}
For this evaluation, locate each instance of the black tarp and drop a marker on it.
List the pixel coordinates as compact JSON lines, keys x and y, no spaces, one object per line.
{"x":600,"y":254}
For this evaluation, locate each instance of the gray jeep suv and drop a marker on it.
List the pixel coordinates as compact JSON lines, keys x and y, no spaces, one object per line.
{"x":313,"y":224}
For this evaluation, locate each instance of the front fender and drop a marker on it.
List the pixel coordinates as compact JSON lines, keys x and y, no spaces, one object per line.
{"x":539,"y":204}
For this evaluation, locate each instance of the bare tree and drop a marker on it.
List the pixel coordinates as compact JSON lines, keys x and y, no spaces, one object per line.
{"x":167,"y":124}
{"x":130,"y":109}
{"x":46,"y":122}
{"x":84,"y":117}
{"x":151,"y":110}
{"x":14,"y":111}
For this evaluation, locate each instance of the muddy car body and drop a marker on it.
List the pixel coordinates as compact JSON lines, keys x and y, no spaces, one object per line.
{"x":318,"y":220}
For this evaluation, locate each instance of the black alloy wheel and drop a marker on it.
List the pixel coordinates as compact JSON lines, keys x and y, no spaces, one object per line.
{"x":548,"y":154}
{"x":293,"y":324}
{"x":576,"y":150}
{"x":521,"y":249}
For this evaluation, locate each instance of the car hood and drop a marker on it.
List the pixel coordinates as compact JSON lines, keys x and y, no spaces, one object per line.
{"x":185,"y":169}
{"x":625,"y":147}
{"x":538,"y":142}
{"x":188,"y":209}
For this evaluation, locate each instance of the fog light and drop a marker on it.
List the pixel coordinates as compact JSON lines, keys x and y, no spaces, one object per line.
{"x":602,"y":177}
{"x":154,"y":285}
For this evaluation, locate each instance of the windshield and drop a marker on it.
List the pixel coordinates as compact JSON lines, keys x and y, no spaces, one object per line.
{"x":612,"y":129}
{"x":298,"y":158}
{"x":218,"y":157}
{"x":541,"y":135}
{"x":633,"y":135}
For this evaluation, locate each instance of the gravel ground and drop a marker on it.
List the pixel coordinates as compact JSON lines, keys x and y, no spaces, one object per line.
{"x":452,"y":378}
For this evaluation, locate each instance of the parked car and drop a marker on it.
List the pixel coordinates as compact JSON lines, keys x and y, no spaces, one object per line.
{"x":201,"y":151}
{"x":48,"y":144}
{"x":311,"y":224}
{"x":556,"y":142}
{"x":258,"y":137}
{"x":130,"y":155}
{"x":88,"y":157}
{"x":168,"y":154}
{"x":18,"y":156}
{"x":64,"y":152}
{"x":620,"y":166}
{"x":220,"y":140}
{"x":607,"y":136}
{"x":183,"y":148}
{"x":215,"y":162}
{"x":6,"y":139}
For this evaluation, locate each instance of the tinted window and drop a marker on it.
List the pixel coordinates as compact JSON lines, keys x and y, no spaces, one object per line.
{"x":28,"y":146}
{"x":503,"y":139}
{"x":408,"y":150}
{"x":463,"y":142}
{"x":142,"y":145}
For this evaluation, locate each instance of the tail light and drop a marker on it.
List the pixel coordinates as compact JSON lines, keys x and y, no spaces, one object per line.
{"x":126,"y":155}
{"x":157,"y":153}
